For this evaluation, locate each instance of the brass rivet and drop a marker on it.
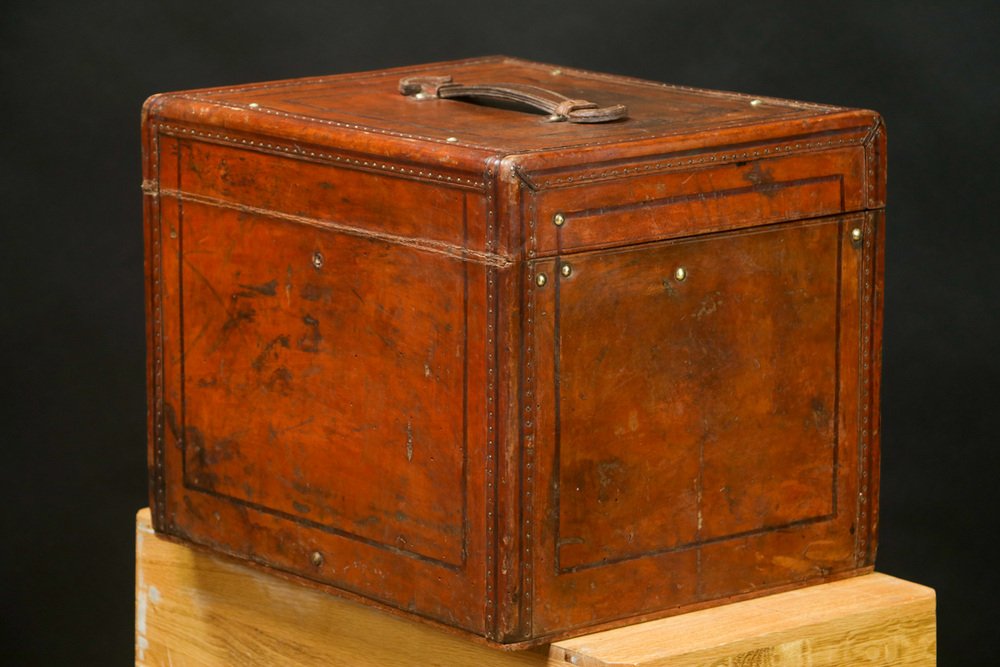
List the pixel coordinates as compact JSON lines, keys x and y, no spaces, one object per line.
{"x":316,"y":558}
{"x":254,"y":105}
{"x":756,"y":103}
{"x":451,"y":140}
{"x":856,"y":234}
{"x":566,"y":270}
{"x":317,"y":259}
{"x":680,"y":274}
{"x":541,"y":279}
{"x":558,"y":220}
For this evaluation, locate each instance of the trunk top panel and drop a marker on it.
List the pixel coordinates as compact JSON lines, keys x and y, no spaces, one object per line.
{"x":370,"y":102}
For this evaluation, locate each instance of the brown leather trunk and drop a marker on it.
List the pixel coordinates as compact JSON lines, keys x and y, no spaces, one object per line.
{"x":518,"y":374}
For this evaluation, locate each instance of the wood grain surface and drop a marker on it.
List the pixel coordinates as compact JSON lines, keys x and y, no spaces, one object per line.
{"x":196,"y":609}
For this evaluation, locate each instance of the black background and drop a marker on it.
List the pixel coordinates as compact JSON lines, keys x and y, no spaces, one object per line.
{"x":74,"y":75}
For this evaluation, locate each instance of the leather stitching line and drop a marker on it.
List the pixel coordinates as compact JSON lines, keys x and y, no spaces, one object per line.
{"x":332,"y":157}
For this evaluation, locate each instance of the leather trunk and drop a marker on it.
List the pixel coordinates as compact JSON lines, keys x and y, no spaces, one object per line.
{"x":515,"y":375}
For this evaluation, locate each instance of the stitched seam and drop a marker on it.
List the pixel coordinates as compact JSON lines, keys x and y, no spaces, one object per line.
{"x":277,"y":149}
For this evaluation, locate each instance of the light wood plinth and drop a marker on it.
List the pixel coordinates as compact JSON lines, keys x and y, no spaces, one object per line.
{"x":197,"y":609}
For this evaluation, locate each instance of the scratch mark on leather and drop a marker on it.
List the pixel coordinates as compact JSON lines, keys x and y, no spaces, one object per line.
{"x":409,"y":441}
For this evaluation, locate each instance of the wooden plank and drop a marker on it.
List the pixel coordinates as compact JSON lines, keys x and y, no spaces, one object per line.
{"x":870,"y":620}
{"x":194,"y":609}
{"x":197,"y":609}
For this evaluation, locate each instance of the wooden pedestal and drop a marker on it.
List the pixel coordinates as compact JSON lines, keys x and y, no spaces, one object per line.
{"x":195,"y":608}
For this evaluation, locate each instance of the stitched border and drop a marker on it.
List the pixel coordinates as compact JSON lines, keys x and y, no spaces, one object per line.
{"x":709,"y":158}
{"x":619,"y":78}
{"x":529,"y":419}
{"x":796,"y":113}
{"x":159,"y":480}
{"x":278,"y":148}
{"x":871,"y":162}
{"x":491,"y":439}
{"x":865,"y":428}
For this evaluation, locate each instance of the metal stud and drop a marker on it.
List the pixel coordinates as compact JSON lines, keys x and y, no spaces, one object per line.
{"x":541,"y":279}
{"x":452,"y":140}
{"x":680,"y":274}
{"x":566,"y":270}
{"x":856,"y":234}
{"x":558,"y":220}
{"x":317,"y":259}
{"x":316,"y":558}
{"x":756,"y":103}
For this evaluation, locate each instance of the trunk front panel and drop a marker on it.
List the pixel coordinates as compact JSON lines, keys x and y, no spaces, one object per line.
{"x":697,"y":415}
{"x":314,"y":400}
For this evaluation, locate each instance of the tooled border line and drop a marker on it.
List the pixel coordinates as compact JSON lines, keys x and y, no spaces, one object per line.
{"x":206,"y":96}
{"x":699,"y":542}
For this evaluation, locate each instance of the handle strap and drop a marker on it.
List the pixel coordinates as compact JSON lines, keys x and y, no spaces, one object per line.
{"x":559,"y":107}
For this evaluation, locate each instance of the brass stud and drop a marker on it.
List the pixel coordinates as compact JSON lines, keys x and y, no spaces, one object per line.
{"x":856,"y":234}
{"x":317,"y":259}
{"x":452,"y":140}
{"x":541,"y":279}
{"x":680,"y":274}
{"x":756,"y":103}
{"x":566,"y":270}
{"x":558,"y":220}
{"x":316,"y":559}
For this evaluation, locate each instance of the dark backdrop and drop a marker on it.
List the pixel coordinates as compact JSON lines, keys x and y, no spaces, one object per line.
{"x":74,"y":75}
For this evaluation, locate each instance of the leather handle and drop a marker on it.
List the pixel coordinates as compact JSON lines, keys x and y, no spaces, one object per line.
{"x":559,"y":107}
